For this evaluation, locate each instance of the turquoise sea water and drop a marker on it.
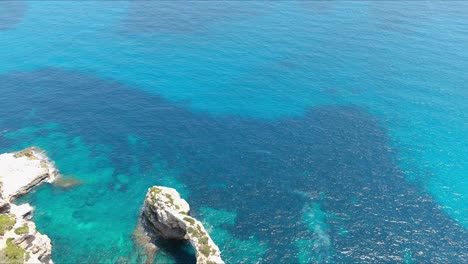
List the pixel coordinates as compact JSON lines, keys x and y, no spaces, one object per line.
{"x":299,"y":131}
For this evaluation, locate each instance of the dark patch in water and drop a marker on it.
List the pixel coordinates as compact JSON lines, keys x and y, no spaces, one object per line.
{"x":393,"y":17}
{"x":340,"y":151}
{"x":181,"y":251}
{"x":11,"y":13}
{"x":317,"y":6}
{"x":169,"y":16}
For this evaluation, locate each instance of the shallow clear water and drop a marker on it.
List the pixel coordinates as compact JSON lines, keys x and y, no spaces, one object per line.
{"x":298,"y":131}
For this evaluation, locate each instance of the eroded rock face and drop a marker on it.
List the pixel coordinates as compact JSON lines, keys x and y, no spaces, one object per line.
{"x":165,"y":214}
{"x":20,"y":172}
{"x":34,"y":246}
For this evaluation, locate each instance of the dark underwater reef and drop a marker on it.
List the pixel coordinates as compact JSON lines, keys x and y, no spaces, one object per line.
{"x":338,"y":155}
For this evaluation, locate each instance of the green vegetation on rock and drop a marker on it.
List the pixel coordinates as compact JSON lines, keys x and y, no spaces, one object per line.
{"x":155,"y":189}
{"x":205,"y":249}
{"x":190,"y":220}
{"x":22,"y":230}
{"x":169,"y":197}
{"x":12,"y":253}
{"x":203,"y":240}
{"x":193,"y":232}
{"x":29,"y":153}
{"x":7,"y":221}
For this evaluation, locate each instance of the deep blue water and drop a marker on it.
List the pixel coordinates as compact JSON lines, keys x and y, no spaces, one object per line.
{"x":298,"y":131}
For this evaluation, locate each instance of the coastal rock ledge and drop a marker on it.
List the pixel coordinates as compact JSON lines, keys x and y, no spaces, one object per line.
{"x":20,"y":172}
{"x":166,"y":214}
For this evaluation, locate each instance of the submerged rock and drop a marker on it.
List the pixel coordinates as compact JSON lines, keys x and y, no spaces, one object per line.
{"x":165,"y":214}
{"x":20,"y":172}
{"x":143,"y":241}
{"x":67,"y":182}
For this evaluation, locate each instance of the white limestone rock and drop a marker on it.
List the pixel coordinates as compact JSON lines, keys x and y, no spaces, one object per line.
{"x":165,"y":214}
{"x":20,"y":172}
{"x":24,"y":211}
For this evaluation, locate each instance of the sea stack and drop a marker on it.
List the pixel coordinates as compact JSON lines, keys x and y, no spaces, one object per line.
{"x":166,"y":214}
{"x":20,"y":172}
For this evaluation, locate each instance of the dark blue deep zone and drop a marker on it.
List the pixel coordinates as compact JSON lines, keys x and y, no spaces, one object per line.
{"x":341,"y":151}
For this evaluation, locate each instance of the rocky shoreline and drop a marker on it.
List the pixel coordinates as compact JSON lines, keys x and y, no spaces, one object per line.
{"x":20,"y":172}
{"x":165,"y":214}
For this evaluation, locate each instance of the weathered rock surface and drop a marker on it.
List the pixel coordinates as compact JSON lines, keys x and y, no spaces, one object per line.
{"x":20,"y":172}
{"x":165,"y":214}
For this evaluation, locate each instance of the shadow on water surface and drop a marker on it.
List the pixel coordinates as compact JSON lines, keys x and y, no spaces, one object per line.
{"x":256,"y":168}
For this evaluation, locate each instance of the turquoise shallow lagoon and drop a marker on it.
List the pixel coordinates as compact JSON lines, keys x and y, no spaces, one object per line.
{"x":299,"y":131}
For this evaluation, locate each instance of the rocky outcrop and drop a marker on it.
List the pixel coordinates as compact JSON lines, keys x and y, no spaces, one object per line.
{"x":20,"y":172}
{"x":20,"y":241}
{"x":166,"y":214}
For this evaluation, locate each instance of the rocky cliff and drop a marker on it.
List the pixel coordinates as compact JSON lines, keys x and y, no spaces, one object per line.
{"x":166,"y":214}
{"x":20,"y":172}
